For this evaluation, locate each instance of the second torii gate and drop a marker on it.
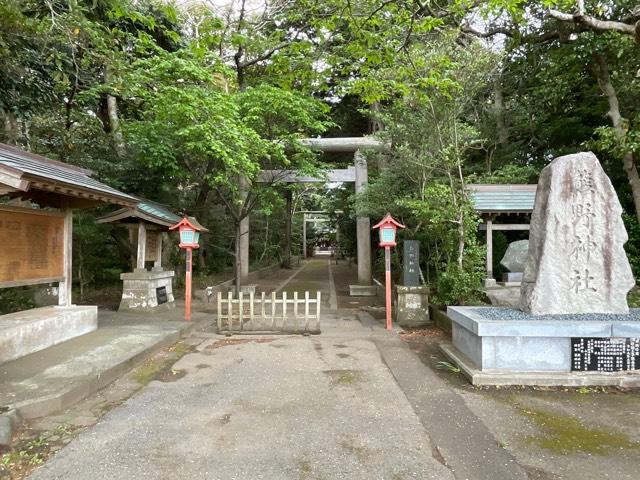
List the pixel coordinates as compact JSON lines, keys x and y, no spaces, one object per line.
{"x":356,"y":174}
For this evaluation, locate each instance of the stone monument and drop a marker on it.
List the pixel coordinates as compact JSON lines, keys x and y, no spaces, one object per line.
{"x":514,"y":260}
{"x":573,"y":326}
{"x":576,"y":261}
{"x":412,"y":305}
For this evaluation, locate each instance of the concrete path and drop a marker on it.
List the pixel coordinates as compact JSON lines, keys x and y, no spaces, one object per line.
{"x":295,"y":407}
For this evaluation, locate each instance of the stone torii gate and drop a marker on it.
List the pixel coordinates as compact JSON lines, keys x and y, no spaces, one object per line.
{"x":356,"y":174}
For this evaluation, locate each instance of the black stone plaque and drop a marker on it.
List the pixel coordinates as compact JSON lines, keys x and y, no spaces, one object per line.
{"x":605,"y":354}
{"x":161,"y":294}
{"x":411,"y":266}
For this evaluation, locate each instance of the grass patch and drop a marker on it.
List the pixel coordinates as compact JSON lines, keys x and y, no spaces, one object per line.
{"x":344,"y":377}
{"x":564,"y":435}
{"x":160,"y":366}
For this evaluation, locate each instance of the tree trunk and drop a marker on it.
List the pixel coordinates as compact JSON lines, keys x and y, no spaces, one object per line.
{"x":628,"y":161}
{"x":498,"y":99}
{"x":286,"y":263}
{"x":237,"y":264}
{"x":11,"y":128}
{"x":114,"y":120}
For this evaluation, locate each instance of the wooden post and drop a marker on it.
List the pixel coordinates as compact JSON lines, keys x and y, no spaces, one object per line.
{"x":489,"y":249}
{"x":64,"y":288}
{"x":219,"y":311}
{"x":142,"y":245}
{"x":387,"y":283}
{"x":318,"y":300}
{"x":306,"y":310}
{"x":157,"y":264}
{"x":284,"y":309}
{"x":241,"y":309}
{"x":187,"y":287}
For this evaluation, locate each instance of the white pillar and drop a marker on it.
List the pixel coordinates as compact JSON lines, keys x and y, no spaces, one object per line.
{"x":64,"y":287}
{"x":142,"y":245}
{"x":363,"y":225}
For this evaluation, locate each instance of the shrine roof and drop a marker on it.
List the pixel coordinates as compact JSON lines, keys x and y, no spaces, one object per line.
{"x":147,"y":210}
{"x":503,"y":199}
{"x":24,"y":174}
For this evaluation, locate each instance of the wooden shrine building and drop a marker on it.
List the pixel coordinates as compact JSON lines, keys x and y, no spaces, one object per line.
{"x":148,"y":223}
{"x":37,"y":196}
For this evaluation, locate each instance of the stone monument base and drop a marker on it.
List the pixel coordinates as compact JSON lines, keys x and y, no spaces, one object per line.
{"x":147,"y":291}
{"x":412,"y":308}
{"x":30,"y":331}
{"x":504,"y":346}
{"x":363,"y":290}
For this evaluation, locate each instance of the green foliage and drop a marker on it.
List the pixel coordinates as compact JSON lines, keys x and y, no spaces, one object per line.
{"x":15,"y":300}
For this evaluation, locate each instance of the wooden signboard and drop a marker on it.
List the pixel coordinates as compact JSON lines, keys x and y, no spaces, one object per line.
{"x":151,"y":250}
{"x":31,"y":247}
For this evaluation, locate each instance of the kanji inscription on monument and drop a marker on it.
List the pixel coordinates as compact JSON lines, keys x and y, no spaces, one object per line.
{"x":576,"y":261}
{"x":411,"y":263}
{"x":605,"y":354}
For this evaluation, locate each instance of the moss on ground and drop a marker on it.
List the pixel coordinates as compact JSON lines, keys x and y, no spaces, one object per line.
{"x":564,"y":435}
{"x":160,"y":367}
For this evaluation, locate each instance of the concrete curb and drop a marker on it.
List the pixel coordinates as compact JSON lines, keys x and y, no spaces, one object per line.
{"x":81,"y":389}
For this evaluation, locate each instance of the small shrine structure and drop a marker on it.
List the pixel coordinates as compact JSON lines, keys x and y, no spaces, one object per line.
{"x":146,"y":289}
{"x":497,"y":201}
{"x":37,"y":197}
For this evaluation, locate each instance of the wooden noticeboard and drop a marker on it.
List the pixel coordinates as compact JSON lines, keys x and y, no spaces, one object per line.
{"x":31,"y":246}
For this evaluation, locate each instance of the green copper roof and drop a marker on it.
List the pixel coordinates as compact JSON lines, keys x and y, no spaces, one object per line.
{"x":158,"y":211}
{"x":503,"y":198}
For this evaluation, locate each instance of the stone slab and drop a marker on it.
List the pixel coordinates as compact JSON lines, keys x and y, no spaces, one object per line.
{"x":363,"y":290}
{"x":537,"y":378}
{"x":51,"y":380}
{"x":564,"y":326}
{"x":29,"y":331}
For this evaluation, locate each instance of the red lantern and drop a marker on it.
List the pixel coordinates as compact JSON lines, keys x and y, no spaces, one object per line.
{"x":189,"y":230}
{"x":388,"y":227}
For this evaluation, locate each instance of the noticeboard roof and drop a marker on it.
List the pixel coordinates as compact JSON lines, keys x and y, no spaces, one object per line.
{"x":24,"y":173}
{"x":147,"y":210}
{"x":503,"y":199}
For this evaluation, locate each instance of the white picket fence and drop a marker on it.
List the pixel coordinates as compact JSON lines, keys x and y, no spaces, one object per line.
{"x":250,"y":313}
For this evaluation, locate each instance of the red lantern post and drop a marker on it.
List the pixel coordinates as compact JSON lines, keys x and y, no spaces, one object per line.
{"x":189,"y":230}
{"x":387,"y":228}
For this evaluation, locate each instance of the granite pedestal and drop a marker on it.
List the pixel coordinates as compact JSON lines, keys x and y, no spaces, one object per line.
{"x":506,"y":346}
{"x":412,"y":307}
{"x":147,"y":291}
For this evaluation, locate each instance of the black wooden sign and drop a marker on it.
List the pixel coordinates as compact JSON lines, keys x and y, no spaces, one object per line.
{"x":161,"y":294}
{"x":605,"y":354}
{"x":411,"y":264}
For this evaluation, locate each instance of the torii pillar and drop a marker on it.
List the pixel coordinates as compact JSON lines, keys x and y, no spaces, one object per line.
{"x":356,"y":174}
{"x":365,"y":286}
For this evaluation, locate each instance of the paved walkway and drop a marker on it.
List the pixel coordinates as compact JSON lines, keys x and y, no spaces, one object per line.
{"x":295,"y":407}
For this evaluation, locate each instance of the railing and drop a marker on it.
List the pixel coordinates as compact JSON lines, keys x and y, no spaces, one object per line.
{"x":250,"y":313}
